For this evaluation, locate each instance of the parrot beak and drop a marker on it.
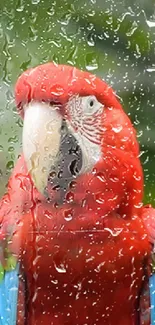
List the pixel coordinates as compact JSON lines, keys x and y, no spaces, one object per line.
{"x":41,"y":140}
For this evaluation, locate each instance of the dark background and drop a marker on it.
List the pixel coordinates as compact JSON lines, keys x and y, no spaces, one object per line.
{"x":113,"y":39}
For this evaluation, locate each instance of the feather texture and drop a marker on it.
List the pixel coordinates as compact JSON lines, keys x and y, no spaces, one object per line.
{"x":8,"y":297}
{"x":152,"y":298}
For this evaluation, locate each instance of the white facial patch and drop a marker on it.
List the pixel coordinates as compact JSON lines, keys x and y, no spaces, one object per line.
{"x":91,"y":152}
{"x":85,"y":125}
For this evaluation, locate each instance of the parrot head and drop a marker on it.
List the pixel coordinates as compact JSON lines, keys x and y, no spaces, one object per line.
{"x":78,"y":143}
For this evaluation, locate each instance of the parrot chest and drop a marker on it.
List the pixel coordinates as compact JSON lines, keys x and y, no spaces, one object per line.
{"x":70,"y":266}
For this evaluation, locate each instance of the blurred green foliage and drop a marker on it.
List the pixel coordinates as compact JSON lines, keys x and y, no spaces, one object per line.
{"x":113,"y":39}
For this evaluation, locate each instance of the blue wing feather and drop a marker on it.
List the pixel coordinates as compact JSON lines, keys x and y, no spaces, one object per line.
{"x":8,"y":297}
{"x":152,"y":298}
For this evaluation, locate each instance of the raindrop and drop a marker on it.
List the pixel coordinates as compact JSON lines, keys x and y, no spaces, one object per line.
{"x":69,"y":197}
{"x":98,"y":268}
{"x":139,"y":205}
{"x":35,"y":2}
{"x":19,"y":122}
{"x":151,"y":69}
{"x":114,"y":232}
{"x":150,"y":23}
{"x":139,"y":133}
{"x":11,"y":149}
{"x":20,"y":6}
{"x":51,"y":11}
{"x":117,"y":129}
{"x":13,"y":139}
{"x":91,"y":62}
{"x":137,"y":177}
{"x":9,"y":165}
{"x":60,"y":268}
{"x":68,"y":215}
{"x":136,"y":121}
{"x":13,"y":289}
{"x":55,"y":281}
{"x":132,"y":29}
{"x":73,"y":167}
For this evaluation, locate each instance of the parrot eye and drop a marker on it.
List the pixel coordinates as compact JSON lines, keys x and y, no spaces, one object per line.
{"x":91,"y":104}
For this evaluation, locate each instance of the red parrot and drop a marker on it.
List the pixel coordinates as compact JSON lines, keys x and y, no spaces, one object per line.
{"x":73,"y":225}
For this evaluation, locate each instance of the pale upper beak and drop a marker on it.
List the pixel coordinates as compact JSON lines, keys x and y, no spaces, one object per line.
{"x":45,"y":142}
{"x":41,"y":140}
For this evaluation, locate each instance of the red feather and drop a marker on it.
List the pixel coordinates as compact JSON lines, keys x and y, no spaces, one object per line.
{"x":86,"y":261}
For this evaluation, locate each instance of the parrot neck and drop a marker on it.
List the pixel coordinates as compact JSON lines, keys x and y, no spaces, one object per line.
{"x":111,"y":186}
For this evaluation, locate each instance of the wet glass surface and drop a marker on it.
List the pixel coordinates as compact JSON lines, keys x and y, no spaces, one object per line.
{"x":73,"y":227}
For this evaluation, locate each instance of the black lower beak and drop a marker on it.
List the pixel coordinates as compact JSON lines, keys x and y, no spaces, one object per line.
{"x":69,"y":164}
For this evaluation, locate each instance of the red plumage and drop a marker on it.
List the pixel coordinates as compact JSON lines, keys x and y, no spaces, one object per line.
{"x":85,"y":261}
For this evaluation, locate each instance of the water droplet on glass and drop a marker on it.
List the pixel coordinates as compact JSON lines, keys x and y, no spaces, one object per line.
{"x":117,"y":129}
{"x":150,"y":23}
{"x":60,"y":268}
{"x":9,"y":165}
{"x":151,"y":69}
{"x":98,"y":268}
{"x":11,"y":149}
{"x":35,"y":2}
{"x":115,"y":231}
{"x":68,"y":215}
{"x":91,"y":62}
{"x":13,"y":139}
